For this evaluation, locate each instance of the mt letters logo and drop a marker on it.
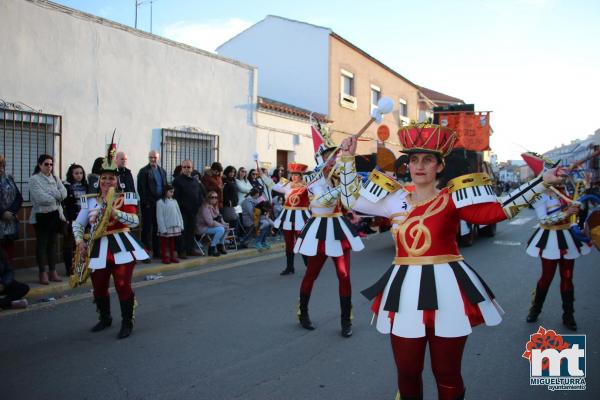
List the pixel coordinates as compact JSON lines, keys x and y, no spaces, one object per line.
{"x":556,"y":361}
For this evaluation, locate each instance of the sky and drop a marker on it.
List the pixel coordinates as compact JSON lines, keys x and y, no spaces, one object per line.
{"x":534,"y":63}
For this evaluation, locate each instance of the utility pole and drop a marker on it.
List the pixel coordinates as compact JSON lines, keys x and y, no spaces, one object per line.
{"x":136,"y":6}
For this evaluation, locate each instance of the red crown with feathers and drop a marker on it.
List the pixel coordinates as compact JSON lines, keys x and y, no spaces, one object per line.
{"x":297,"y":168}
{"x":427,"y":138}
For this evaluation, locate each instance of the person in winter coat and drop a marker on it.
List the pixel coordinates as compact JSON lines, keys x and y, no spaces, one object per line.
{"x":46,"y":192}
{"x":10,"y":203}
{"x":243,"y":184}
{"x":190,"y":194}
{"x":230,"y":196}
{"x":210,"y":221}
{"x":170,"y":224}
{"x":212,"y":181}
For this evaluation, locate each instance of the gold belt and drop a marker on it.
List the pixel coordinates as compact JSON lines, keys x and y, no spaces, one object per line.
{"x":327,"y":215}
{"x":295,"y":208}
{"x":424,"y":260}
{"x":556,"y":227}
{"x":116,"y":231}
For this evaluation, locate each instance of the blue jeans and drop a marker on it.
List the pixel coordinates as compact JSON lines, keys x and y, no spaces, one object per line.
{"x":265,"y":228}
{"x":218,"y":235}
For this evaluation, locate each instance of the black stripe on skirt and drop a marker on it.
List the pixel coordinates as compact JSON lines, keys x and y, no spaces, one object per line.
{"x":349,"y":226}
{"x":95,"y":249}
{"x":322,"y":230}
{"x":126,"y":242}
{"x":562,"y":242}
{"x":113,"y":246}
{"x":473,"y":295}
{"x":541,"y":244}
{"x":532,"y":236}
{"x":378,"y":287}
{"x":393,"y":297}
{"x":306,"y":227}
{"x":485,"y":286}
{"x":338,"y":234}
{"x":427,"y":291}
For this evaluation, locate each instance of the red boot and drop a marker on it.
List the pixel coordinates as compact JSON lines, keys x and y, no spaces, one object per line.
{"x":172,"y":250}
{"x":163,"y":250}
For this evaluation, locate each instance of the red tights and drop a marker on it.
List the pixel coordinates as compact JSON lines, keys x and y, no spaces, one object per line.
{"x":121,"y":275}
{"x":342,"y":268}
{"x":446,"y":356}
{"x":290,"y":239}
{"x":565,"y":270}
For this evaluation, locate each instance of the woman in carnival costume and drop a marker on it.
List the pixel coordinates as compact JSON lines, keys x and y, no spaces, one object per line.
{"x":555,"y":244}
{"x":327,"y":233}
{"x":295,"y":211}
{"x":430,"y":295}
{"x":114,"y":251}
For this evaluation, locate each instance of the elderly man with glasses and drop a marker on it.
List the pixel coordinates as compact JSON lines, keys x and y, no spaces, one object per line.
{"x":190,"y":194}
{"x":150,"y":182}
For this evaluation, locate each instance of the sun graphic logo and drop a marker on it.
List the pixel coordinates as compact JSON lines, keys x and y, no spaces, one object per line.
{"x":556,"y":361}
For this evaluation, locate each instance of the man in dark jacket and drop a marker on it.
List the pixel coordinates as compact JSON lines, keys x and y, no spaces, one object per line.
{"x":125,"y":175}
{"x":189,"y":193}
{"x":150,"y":182}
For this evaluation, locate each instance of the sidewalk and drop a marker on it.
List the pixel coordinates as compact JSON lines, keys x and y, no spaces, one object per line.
{"x":30,"y":275}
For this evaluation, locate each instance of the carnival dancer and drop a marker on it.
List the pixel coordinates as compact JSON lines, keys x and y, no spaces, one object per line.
{"x":430,"y":295}
{"x":295,"y":211}
{"x":109,"y":249}
{"x":326,"y":234}
{"x":556,"y":245}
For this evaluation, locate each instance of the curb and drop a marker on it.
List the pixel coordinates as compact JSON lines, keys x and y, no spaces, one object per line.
{"x":46,"y":291}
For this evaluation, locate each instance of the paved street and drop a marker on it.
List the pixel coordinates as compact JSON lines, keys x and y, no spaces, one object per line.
{"x":229,"y":331}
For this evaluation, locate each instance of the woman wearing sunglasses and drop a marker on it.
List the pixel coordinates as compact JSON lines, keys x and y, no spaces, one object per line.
{"x":46,"y":193}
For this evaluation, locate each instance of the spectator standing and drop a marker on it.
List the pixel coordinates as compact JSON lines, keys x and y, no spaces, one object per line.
{"x":230,"y":196}
{"x":276,"y":175}
{"x":266,"y":181}
{"x":213,"y":182}
{"x":190,"y":194}
{"x":256,"y":184}
{"x":125,"y":176}
{"x":46,"y":192}
{"x":10,"y":203}
{"x":170,"y":224}
{"x":150,"y":183}
{"x":94,"y":177}
{"x":76,"y":186}
{"x":243,"y":184}
{"x":210,"y":221}
{"x":11,"y":291}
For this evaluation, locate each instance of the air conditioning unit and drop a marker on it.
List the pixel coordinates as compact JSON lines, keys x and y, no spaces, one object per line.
{"x":348,"y":101}
{"x":404,"y":120}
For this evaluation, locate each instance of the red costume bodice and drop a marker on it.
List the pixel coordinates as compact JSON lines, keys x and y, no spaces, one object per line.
{"x":297,"y":197}
{"x":430,"y":228}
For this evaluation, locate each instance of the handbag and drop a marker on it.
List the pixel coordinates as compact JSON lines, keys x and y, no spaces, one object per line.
{"x":229,"y":214}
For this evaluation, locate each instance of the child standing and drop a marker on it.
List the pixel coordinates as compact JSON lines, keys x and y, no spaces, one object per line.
{"x":170,"y":224}
{"x":265,"y":223}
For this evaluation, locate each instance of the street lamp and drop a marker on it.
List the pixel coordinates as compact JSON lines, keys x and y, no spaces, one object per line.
{"x":139,"y":3}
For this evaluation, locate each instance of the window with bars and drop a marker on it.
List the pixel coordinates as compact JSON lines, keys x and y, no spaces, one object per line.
{"x":24,"y":136}
{"x":178,"y":145}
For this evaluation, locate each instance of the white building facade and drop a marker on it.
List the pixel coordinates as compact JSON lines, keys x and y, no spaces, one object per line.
{"x":85,"y":76}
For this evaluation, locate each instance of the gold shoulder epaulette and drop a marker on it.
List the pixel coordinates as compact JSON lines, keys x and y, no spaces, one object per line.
{"x":383,"y":181}
{"x":469,"y":180}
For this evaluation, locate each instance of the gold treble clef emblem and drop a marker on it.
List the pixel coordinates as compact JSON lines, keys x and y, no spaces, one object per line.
{"x":415,"y":228}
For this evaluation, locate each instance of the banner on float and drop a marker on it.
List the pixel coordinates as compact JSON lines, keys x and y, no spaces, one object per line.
{"x":472,"y":129}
